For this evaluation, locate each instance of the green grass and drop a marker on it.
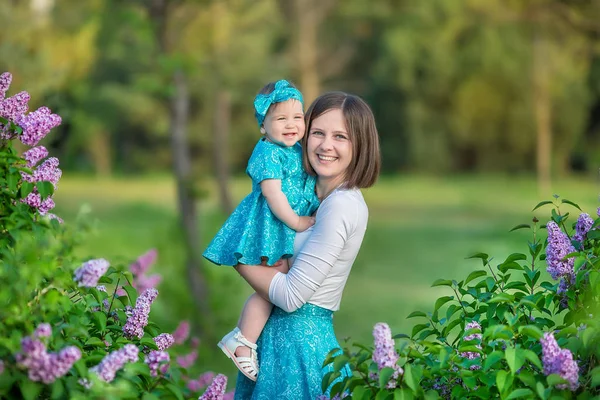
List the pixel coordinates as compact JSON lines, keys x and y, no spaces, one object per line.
{"x":420,"y":229}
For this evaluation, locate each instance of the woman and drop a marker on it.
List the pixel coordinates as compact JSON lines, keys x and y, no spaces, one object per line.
{"x":341,"y":148}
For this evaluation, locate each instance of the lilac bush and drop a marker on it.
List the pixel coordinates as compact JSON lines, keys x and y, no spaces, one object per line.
{"x":69,"y":328}
{"x":525,"y":327}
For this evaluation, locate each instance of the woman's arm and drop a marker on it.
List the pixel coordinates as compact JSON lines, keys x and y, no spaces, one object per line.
{"x":335,"y":223}
{"x":280,"y":206}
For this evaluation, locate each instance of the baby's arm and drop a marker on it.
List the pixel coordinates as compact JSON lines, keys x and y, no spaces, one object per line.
{"x":280,"y":207}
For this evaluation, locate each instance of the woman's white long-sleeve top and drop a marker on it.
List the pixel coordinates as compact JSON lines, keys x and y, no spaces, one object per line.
{"x":323,"y":254}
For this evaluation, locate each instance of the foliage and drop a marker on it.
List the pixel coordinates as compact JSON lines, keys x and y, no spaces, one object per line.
{"x":70,"y":329}
{"x":486,"y":339}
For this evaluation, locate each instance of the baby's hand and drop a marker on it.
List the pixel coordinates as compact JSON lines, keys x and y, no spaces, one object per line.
{"x":304,"y":223}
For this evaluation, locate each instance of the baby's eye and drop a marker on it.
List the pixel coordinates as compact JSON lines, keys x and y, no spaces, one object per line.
{"x":299,"y":117}
{"x":280,"y":118}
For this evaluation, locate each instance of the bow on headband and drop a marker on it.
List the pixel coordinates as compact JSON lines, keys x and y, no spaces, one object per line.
{"x":283,"y":92}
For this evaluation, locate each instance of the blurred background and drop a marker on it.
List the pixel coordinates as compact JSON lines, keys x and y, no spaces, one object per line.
{"x":484,"y":108}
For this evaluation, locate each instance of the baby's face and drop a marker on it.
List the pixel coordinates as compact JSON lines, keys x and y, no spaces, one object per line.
{"x":284,"y":123}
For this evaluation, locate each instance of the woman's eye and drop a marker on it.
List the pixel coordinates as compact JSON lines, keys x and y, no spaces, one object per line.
{"x":343,"y":137}
{"x":319,"y":133}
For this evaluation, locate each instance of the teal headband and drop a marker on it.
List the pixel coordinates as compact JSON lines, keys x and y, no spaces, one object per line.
{"x":283,"y":91}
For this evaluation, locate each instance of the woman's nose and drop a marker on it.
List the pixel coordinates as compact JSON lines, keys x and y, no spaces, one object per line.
{"x":326,"y":143}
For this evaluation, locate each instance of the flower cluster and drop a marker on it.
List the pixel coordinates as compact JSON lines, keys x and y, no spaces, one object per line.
{"x":154,"y":359}
{"x":559,"y":361}
{"x":90,"y":272}
{"x":108,"y":367}
{"x":164,"y":341}
{"x":558,"y":247}
{"x":134,"y":327}
{"x":43,"y":330}
{"x":196,"y":385}
{"x":216,"y":390}
{"x":37,"y":124}
{"x":187,"y":360}
{"x":472,"y":355}
{"x":385,"y":354}
{"x":43,"y":366}
{"x":139,"y":268}
{"x":182,"y":332}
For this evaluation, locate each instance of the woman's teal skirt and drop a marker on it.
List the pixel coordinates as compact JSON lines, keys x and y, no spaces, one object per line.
{"x":291,"y":351}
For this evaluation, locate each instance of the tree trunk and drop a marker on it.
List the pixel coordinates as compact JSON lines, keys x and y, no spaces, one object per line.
{"x":222,"y":118}
{"x":100,"y":150}
{"x":307,"y":27}
{"x":187,"y":205}
{"x":542,"y":107}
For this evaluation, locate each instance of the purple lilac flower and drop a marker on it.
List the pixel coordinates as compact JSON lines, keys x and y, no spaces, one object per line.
{"x":48,"y":171}
{"x":558,"y":247}
{"x":471,"y":355}
{"x":56,"y":217}
{"x":90,"y":271}
{"x":385,"y":353}
{"x":598,"y":212}
{"x":101,"y":288}
{"x":229,"y":395}
{"x":85,"y":383}
{"x":154,"y":359}
{"x":164,"y":341}
{"x":195,"y":342}
{"x":13,"y":108}
{"x":182,"y":332}
{"x":559,"y":361}
{"x":5,"y":80}
{"x":35,"y":155}
{"x":216,"y":390}
{"x":43,"y":366}
{"x":43,"y":330}
{"x":196,"y":385}
{"x":108,"y":367}
{"x":583,"y":225}
{"x":37,"y":124}
{"x":143,"y":262}
{"x":564,"y":284}
{"x":187,"y":360}
{"x":139,"y":319}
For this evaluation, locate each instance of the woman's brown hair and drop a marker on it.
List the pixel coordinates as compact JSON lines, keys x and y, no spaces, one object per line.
{"x":366,"y":158}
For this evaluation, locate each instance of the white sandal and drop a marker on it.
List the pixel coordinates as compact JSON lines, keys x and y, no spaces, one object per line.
{"x":247,"y":365}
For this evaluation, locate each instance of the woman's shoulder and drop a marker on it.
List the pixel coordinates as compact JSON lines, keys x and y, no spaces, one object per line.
{"x":347,"y":201}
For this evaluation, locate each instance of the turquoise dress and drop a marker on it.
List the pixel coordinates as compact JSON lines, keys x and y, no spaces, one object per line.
{"x":252,"y":232}
{"x":291,"y":351}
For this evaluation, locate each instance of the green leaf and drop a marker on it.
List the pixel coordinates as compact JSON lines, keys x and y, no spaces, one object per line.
{"x":569,"y":202}
{"x":94,"y":341}
{"x":383,"y":395}
{"x":475,"y":275}
{"x":502,"y":379}
{"x":416,"y":314}
{"x":555,"y":379}
{"x":30,"y":390}
{"x":401,"y":394}
{"x":521,"y":226}
{"x":595,"y":374}
{"x":26,"y":188}
{"x":99,"y":319}
{"x":409,"y":378}
{"x":532,"y":331}
{"x":484,"y":257}
{"x":515,"y":394}
{"x":131,"y":293}
{"x":502,"y":298}
{"x":533,"y":358}
{"x":515,"y":358}
{"x":442,"y":282}
{"x":340,"y":362}
{"x":441,"y":301}
{"x":541,"y":203}
{"x":540,"y":390}
{"x":45,"y":188}
{"x":492,"y":359}
{"x":418,"y":328}
{"x":593,"y":234}
{"x":149,"y":343}
{"x":384,"y":376}
{"x":175,"y":390}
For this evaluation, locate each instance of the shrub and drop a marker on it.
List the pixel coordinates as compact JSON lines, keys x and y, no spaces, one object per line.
{"x":70,"y":328}
{"x":505,"y":331}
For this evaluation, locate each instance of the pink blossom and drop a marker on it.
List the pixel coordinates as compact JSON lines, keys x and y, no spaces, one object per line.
{"x":187,"y":360}
{"x":134,"y":327}
{"x":154,"y":360}
{"x":216,"y":390}
{"x":90,"y":272}
{"x":36,"y":125}
{"x":143,"y":262}
{"x":35,"y":155}
{"x":143,"y":282}
{"x":385,"y":354}
{"x":5,"y":80}
{"x":182,"y":332}
{"x":164,"y":341}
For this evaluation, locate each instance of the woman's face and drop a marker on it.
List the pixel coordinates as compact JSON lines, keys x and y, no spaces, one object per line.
{"x":329,"y":148}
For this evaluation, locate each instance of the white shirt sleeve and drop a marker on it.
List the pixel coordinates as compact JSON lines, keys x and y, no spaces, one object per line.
{"x":335,"y":222}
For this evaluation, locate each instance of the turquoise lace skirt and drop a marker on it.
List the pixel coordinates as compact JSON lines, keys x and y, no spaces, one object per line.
{"x":291,"y":351}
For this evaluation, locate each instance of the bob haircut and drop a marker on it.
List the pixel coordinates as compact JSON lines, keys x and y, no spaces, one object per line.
{"x":360,"y":123}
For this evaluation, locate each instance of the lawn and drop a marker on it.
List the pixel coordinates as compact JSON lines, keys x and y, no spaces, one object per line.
{"x":420,"y":229}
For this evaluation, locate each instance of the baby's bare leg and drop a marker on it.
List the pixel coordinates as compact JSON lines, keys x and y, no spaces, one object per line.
{"x":254,"y":316}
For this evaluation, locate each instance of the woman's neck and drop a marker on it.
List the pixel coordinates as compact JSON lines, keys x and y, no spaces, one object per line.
{"x":325,"y":186}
